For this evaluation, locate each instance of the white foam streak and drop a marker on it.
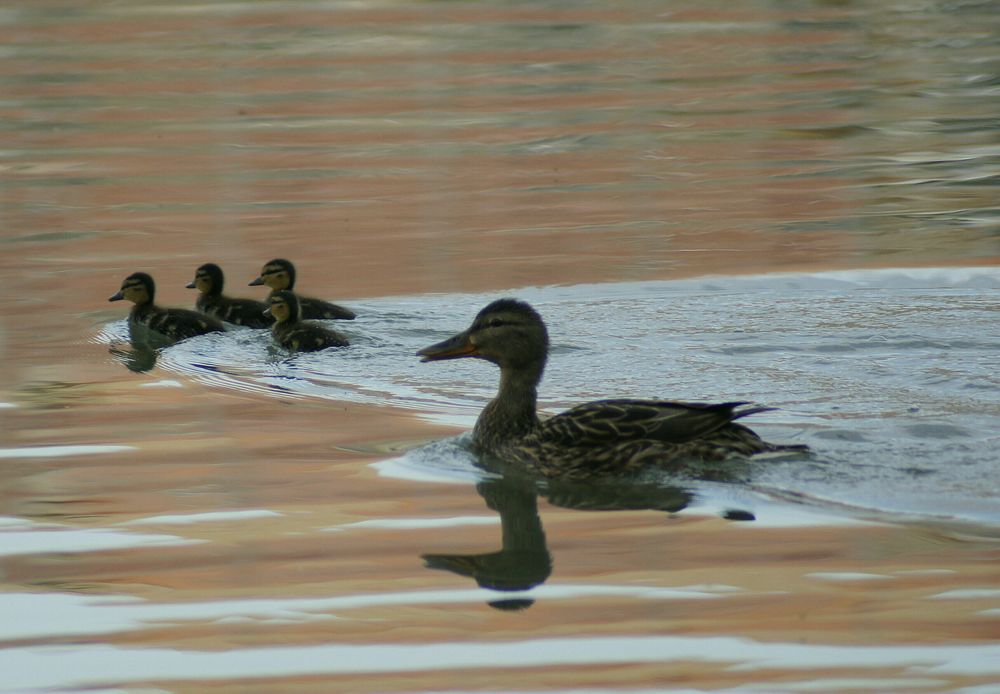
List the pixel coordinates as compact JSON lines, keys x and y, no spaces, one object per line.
{"x":37,"y":668}
{"x":60,"y":451}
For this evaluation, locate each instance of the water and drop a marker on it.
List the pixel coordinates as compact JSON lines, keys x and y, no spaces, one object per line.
{"x":889,"y":375}
{"x":791,"y":203}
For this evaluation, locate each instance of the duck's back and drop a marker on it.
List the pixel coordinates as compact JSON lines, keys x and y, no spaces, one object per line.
{"x":307,"y":337}
{"x":175,"y":323}
{"x":622,"y":436}
{"x":246,"y":312}
{"x":604,"y":422}
{"x":323,"y":310}
{"x":627,"y":456}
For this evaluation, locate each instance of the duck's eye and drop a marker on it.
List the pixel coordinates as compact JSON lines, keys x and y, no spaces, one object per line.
{"x":495,"y":323}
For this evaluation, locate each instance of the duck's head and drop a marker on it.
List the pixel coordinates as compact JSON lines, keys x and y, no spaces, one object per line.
{"x":208,"y":279}
{"x":138,"y":288}
{"x":283,"y":305}
{"x":508,"y":332}
{"x":277,"y":274}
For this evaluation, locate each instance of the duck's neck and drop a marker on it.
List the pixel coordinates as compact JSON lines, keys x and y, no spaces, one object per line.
{"x":282,"y":328}
{"x":140,"y":311}
{"x":511,"y":414}
{"x":207,"y":300}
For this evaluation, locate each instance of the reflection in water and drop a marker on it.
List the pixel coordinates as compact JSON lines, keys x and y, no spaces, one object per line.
{"x":623,"y":495}
{"x":142,"y":349}
{"x":140,"y":358}
{"x":524,"y":560}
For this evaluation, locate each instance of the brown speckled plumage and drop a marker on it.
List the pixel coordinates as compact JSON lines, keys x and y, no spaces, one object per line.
{"x":297,"y":335}
{"x":209,"y":281}
{"x":596,"y":438}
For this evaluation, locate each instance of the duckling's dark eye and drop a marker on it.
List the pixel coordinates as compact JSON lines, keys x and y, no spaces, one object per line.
{"x":495,"y":322}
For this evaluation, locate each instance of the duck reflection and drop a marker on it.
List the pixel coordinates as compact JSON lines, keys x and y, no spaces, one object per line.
{"x":524,"y":560}
{"x":142,"y":350}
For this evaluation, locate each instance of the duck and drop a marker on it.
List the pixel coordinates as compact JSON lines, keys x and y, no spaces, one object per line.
{"x":295,"y":334}
{"x":209,"y":280}
{"x":172,"y":323}
{"x":602,"y":437}
{"x":279,"y":274}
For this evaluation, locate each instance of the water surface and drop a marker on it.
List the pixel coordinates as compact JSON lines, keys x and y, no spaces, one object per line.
{"x":889,"y":375}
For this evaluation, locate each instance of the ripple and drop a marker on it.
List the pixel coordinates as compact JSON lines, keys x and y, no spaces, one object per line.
{"x":214,"y":517}
{"x":29,"y":538}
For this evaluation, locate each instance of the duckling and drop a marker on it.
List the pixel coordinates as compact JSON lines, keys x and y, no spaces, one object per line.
{"x":209,"y":280}
{"x":280,"y":274}
{"x":172,"y":323}
{"x":596,"y":438}
{"x":295,"y":334}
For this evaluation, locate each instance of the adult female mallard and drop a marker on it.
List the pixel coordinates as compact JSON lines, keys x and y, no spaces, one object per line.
{"x":172,"y":323}
{"x":279,"y":274}
{"x":295,"y":334}
{"x":600,"y":437}
{"x":209,"y":280}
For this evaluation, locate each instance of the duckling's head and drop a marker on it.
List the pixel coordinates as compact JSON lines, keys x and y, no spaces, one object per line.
{"x":277,"y":274}
{"x":208,"y":279}
{"x":283,"y":305}
{"x":508,"y":333}
{"x":138,"y":288}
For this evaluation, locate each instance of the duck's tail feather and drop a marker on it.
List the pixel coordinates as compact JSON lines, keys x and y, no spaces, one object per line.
{"x":751,"y":410}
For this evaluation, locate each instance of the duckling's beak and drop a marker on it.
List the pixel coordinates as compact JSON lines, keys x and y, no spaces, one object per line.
{"x":257,"y":282}
{"x":117,"y":297}
{"x":189,"y":285}
{"x":267,"y":311}
{"x":453,"y":348}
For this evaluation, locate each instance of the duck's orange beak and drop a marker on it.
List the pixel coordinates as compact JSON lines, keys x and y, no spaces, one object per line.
{"x":453,"y":348}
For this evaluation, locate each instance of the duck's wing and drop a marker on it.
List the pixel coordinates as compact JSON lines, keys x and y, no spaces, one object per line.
{"x":309,"y":337}
{"x":247,"y":312}
{"x":604,"y":422}
{"x":180,"y":323}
